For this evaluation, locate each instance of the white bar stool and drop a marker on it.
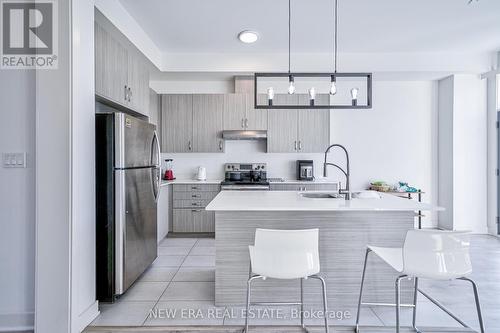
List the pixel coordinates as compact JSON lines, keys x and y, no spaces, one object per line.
{"x":427,"y":254}
{"x":285,"y":254}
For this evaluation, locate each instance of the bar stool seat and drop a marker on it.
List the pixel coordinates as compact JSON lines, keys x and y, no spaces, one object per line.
{"x":391,"y":255}
{"x":429,"y":254}
{"x":285,"y":254}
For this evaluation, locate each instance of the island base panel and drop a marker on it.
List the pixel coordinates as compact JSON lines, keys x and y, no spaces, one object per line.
{"x":343,"y":240}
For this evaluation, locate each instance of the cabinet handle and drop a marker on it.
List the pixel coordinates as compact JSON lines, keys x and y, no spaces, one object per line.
{"x":129,"y":93}
{"x":190,"y":146}
{"x":300,"y":145}
{"x":194,"y":188}
{"x":295,"y":145}
{"x":242,"y":123}
{"x":196,"y":210}
{"x":195,"y":196}
{"x":125,"y":93}
{"x":246,"y":122}
{"x":194,"y":204}
{"x":220,"y":145}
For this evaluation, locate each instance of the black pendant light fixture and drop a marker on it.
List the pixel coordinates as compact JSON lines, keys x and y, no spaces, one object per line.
{"x":340,"y":84}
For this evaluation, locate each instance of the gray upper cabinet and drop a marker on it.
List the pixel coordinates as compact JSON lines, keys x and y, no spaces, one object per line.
{"x":314,"y":126}
{"x":234,"y":111}
{"x":177,"y":123}
{"x":282,"y":126}
{"x":120,"y":76}
{"x":239,"y":113}
{"x":110,"y":67}
{"x":208,"y":112}
{"x":256,"y":119}
{"x":301,"y":131}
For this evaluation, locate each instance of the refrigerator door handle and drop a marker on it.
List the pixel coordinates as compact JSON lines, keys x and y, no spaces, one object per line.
{"x":155,"y":161}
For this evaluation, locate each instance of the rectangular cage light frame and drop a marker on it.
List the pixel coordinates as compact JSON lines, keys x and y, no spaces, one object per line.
{"x":368,"y":77}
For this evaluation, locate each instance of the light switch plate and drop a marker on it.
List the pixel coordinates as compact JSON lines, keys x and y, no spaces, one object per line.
{"x":14,"y":160}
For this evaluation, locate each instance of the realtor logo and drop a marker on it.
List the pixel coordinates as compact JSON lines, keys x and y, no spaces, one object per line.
{"x":29,"y":34}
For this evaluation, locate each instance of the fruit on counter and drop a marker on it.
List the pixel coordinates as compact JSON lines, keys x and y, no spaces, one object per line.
{"x":380,"y":186}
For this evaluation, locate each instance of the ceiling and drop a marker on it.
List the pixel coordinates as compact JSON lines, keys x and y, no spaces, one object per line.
{"x":365,"y":26}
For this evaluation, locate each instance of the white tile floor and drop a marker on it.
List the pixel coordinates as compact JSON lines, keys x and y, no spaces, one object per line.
{"x":179,"y":289}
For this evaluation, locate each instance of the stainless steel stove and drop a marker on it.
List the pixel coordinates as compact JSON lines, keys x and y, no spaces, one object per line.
{"x":245,"y":177}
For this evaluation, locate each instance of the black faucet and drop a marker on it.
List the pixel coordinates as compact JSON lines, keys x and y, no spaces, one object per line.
{"x":346,"y":192}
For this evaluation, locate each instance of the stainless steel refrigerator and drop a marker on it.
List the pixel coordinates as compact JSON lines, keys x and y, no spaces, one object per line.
{"x":127,"y":184}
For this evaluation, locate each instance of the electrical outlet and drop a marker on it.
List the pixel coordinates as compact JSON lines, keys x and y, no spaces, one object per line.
{"x":14,"y":160}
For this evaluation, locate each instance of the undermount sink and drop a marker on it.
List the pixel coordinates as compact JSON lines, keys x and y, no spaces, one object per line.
{"x":321,"y":195}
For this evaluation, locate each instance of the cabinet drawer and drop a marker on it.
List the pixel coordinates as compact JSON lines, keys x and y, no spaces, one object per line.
{"x":194,"y":195}
{"x":190,"y":203}
{"x":193,"y":220}
{"x":196,"y":187}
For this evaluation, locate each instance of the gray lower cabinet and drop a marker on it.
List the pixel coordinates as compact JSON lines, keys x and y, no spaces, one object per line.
{"x":177,"y":123}
{"x":193,"y":220}
{"x":208,"y":112}
{"x":189,"y":202}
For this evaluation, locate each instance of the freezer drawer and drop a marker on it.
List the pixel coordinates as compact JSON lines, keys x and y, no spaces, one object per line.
{"x":136,"y":224}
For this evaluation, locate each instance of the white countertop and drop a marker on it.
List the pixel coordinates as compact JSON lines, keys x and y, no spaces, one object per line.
{"x":217,"y":181}
{"x":293,"y":201}
{"x":190,"y":181}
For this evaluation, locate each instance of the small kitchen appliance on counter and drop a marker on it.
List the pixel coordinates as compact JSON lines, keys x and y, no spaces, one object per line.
{"x":201,"y":175}
{"x":169,"y":173}
{"x":305,"y":170}
{"x":245,"y":176}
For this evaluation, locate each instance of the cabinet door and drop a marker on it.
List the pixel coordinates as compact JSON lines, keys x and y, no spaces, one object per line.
{"x":177,"y":123}
{"x":193,"y":220}
{"x":208,"y":111}
{"x":282,"y":127}
{"x":256,"y":119}
{"x":313,"y":126}
{"x":203,"y":221}
{"x":234,"y":111}
{"x":110,"y":67}
{"x":138,"y":80}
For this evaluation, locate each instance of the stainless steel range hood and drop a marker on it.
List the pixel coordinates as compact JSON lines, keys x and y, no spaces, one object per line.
{"x":244,"y":135}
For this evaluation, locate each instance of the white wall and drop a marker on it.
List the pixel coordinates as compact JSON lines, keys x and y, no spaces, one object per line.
{"x":17,"y":201}
{"x":396,"y":140}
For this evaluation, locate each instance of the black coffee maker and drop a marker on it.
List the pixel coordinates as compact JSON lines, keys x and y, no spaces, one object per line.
{"x":305,"y":170}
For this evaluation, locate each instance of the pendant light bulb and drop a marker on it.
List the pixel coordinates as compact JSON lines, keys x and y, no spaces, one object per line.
{"x":270,"y":95}
{"x":354,"y":93}
{"x":291,"y":86}
{"x":312,"y":96}
{"x":333,"y":86}
{"x":354,"y":96}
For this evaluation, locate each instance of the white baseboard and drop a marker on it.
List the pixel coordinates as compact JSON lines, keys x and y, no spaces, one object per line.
{"x":87,"y":316}
{"x":14,"y":322}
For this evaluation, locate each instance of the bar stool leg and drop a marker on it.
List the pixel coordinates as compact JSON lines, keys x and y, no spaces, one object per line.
{"x":249,"y":285}
{"x":478,"y":306}
{"x":325,"y":301}
{"x":398,"y":300}
{"x":415,"y":295}
{"x":302,"y":303}
{"x":361,"y":290}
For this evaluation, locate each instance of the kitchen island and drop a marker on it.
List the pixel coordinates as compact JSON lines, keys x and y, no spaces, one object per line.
{"x":346,"y":227}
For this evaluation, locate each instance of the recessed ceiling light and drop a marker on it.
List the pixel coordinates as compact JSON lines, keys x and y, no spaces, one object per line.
{"x":248,"y":36}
